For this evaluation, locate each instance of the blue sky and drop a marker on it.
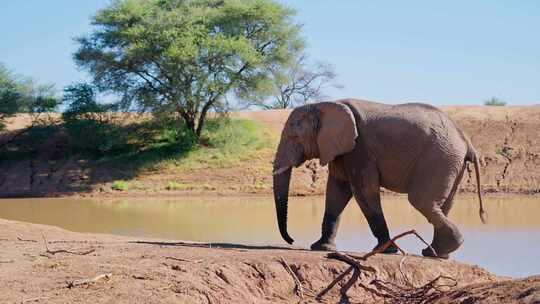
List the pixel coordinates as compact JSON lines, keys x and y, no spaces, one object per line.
{"x":440,"y":52}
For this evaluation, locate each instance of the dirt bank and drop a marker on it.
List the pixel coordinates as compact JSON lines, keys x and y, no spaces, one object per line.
{"x":507,"y":140}
{"x":151,"y":271}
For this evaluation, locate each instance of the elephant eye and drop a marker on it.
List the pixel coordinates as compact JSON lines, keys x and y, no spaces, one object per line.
{"x":295,"y":123}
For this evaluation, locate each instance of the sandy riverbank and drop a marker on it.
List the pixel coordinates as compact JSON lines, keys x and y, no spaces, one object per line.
{"x":157,"y":271}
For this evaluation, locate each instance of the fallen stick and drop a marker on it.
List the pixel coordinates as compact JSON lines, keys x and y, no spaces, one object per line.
{"x":349,"y":259}
{"x":75,"y":283}
{"x":177,"y":259}
{"x":333,"y":283}
{"x":25,"y":240}
{"x":391,"y":242}
{"x":298,"y":289}
{"x":7,"y":262}
{"x":350,"y":283}
{"x":34,"y":299}
{"x":53,"y":252}
{"x":421,"y":294}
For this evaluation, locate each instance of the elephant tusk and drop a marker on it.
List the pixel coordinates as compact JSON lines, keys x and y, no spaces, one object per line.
{"x":280,"y":170}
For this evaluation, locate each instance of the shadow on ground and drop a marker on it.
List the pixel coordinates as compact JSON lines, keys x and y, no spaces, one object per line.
{"x":46,"y":161}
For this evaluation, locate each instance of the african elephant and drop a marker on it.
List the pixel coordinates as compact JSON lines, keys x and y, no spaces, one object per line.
{"x":409,"y":148}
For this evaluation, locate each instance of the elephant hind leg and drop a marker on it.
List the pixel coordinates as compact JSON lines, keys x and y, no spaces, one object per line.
{"x":447,"y":205}
{"x":446,"y":236}
{"x":431,"y":191}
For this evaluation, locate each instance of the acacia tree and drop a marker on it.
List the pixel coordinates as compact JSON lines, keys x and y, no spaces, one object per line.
{"x":24,"y":95}
{"x":291,"y":86}
{"x":185,"y":56}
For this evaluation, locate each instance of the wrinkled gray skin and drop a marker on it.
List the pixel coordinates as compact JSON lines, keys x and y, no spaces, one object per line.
{"x":409,"y":148}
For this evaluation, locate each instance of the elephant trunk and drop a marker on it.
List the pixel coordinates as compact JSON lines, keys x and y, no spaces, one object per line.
{"x":287,"y":156}
{"x":281,"y":198}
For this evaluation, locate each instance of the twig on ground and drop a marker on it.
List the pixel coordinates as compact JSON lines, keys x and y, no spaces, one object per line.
{"x":349,"y":259}
{"x":25,"y":240}
{"x":350,"y":283}
{"x":298,"y":289}
{"x":7,"y":262}
{"x":177,"y":259}
{"x":422,"y":294}
{"x":34,"y":299}
{"x":334,"y":282}
{"x":53,"y":252}
{"x":75,"y":283}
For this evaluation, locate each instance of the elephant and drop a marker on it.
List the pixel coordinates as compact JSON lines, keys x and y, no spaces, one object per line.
{"x":410,"y":148}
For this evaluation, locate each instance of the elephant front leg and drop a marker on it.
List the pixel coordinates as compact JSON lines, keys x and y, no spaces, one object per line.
{"x":338,"y":194}
{"x":366,"y":189}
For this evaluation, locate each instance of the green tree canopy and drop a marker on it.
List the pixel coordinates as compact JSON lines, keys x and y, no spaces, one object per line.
{"x":494,"y":101}
{"x":80,"y":98}
{"x":185,"y":56}
{"x":24,"y":95}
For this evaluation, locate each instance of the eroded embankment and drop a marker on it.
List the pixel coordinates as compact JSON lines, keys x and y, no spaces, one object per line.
{"x":150,"y":271}
{"x":507,"y":140}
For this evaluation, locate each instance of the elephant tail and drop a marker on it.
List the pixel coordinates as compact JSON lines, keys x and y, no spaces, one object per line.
{"x":473,"y":157}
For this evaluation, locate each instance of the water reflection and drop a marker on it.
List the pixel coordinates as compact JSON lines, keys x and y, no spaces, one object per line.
{"x":507,"y":245}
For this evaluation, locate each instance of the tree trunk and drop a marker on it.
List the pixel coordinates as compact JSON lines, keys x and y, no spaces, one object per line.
{"x":202,"y":116}
{"x":190,"y":123}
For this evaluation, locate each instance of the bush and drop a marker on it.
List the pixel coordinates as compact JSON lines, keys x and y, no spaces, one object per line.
{"x":120,"y":186}
{"x":225,"y":142}
{"x":89,"y":124}
{"x":96,"y":137}
{"x":171,"y":186}
{"x":494,"y":101}
{"x":24,"y":95}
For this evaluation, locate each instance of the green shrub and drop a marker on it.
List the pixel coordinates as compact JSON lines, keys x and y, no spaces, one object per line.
{"x":225,"y":142}
{"x":494,"y":101}
{"x":120,"y":186}
{"x":96,"y":137}
{"x":171,"y":186}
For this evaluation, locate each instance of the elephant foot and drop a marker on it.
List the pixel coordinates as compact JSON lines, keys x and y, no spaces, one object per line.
{"x":428,"y":252}
{"x":389,"y":249}
{"x":445,"y":241}
{"x":323,"y":246}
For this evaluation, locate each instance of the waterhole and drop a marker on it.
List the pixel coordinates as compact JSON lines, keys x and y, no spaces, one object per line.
{"x":509,"y":244}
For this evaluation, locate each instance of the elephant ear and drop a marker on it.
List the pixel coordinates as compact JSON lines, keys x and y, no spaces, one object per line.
{"x":337,"y":131}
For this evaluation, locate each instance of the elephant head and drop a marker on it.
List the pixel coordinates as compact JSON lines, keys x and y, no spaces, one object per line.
{"x":322,"y":130}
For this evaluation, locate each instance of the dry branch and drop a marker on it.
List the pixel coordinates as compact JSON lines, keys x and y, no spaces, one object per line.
{"x":298,"y":289}
{"x":25,"y":240}
{"x":53,"y":252}
{"x":414,"y":295}
{"x":75,"y":283}
{"x":390,"y":291}
{"x":334,"y":282}
{"x":34,"y":299}
{"x":7,"y":262}
{"x":178,"y":259}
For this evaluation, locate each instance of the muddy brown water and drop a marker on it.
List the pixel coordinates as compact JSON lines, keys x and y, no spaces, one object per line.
{"x":508,"y":245}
